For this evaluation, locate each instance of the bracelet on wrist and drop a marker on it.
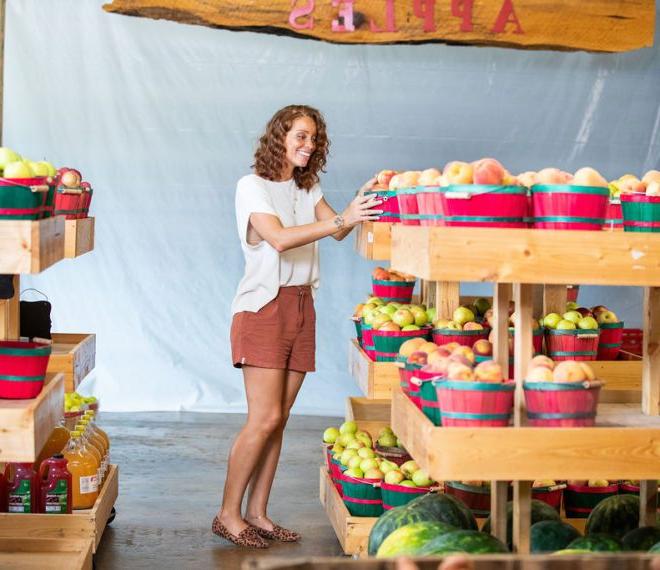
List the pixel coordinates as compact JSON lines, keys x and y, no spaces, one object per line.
{"x":339,"y":222}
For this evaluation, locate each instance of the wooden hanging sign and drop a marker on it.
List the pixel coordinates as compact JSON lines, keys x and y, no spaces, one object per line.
{"x":594,"y":25}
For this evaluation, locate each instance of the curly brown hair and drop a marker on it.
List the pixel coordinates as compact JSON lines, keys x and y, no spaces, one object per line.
{"x":270,"y":156}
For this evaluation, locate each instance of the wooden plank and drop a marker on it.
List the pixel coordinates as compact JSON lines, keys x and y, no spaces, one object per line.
{"x":447,"y":298}
{"x":74,"y":355}
{"x":375,"y":379}
{"x":9,"y":313}
{"x":600,"y":25}
{"x":87,"y":524}
{"x":502,"y":296}
{"x":370,"y":415}
{"x":40,"y":553}
{"x":26,"y":424}
{"x":624,"y":445}
{"x":522,"y":515}
{"x":554,"y":299}
{"x":648,"y":502}
{"x":651,"y":367}
{"x":352,"y":532}
{"x":523,"y":348}
{"x":373,"y":240}
{"x":78,"y":237}
{"x":30,"y":246}
{"x":527,"y":256}
{"x":498,"y":502}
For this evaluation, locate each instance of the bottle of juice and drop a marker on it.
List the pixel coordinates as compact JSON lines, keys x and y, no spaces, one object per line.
{"x":55,"y":444}
{"x":55,"y":486}
{"x":94,"y":445}
{"x":3,"y":492}
{"x":84,"y":473}
{"x":92,"y":415}
{"x":22,"y":488}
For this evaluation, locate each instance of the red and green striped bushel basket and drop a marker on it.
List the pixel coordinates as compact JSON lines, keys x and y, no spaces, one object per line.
{"x":431,"y":205}
{"x":475,"y":497}
{"x":390,"y":205}
{"x":572,"y":344}
{"x":610,"y":340}
{"x":398,"y":291}
{"x":22,"y":368}
{"x":69,"y":202}
{"x":561,"y":404}
{"x":334,"y":468}
{"x":23,"y":199}
{"x":368,"y":340}
{"x":627,"y":488}
{"x":614,"y":219}
{"x":399,"y":495}
{"x":466,"y":338}
{"x":569,"y":207}
{"x":580,"y":500}
{"x":475,"y":404}
{"x":408,"y":208}
{"x":641,"y":213}
{"x":428,"y":397}
{"x":406,"y":370}
{"x":415,"y":385}
{"x":550,"y":495}
{"x":486,"y":206}
{"x":362,"y":497}
{"x":537,"y":339}
{"x":396,"y":455}
{"x":388,"y":343}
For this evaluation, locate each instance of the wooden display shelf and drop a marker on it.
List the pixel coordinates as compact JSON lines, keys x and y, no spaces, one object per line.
{"x":30,"y":246}
{"x":74,"y":355}
{"x":623,"y":380}
{"x":372,"y":240}
{"x":87,"y":524}
{"x":26,"y":424}
{"x":40,"y":553}
{"x":370,"y":415}
{"x":375,"y":379}
{"x":527,"y":256}
{"x":78,"y":237}
{"x":624,"y":445}
{"x":352,"y":532}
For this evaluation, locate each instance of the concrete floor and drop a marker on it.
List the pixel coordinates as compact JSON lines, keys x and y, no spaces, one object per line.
{"x":172,"y":468}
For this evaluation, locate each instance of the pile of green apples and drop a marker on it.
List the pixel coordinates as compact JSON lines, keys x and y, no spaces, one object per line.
{"x":407,"y":475}
{"x":465,"y":318}
{"x":74,"y":402}
{"x":570,"y":320}
{"x":394,"y":316}
{"x":14,"y":166}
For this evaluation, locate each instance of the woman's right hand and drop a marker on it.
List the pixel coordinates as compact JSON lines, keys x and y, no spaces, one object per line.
{"x":361,"y":209}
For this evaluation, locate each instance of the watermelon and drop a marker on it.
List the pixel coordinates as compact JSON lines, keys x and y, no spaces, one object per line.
{"x":596,"y":543}
{"x":447,"y":509}
{"x":641,"y":538}
{"x":470,"y":541}
{"x":393,"y":519}
{"x":655,"y":549}
{"x":550,"y":536}
{"x":408,"y":539}
{"x":540,"y":512}
{"x":614,"y":516}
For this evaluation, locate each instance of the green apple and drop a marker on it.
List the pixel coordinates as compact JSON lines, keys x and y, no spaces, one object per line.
{"x":387,"y":466}
{"x":355,"y":472}
{"x":407,"y":483}
{"x":551,"y":320}
{"x":386,"y":429}
{"x":337,"y":448}
{"x":571,"y":306}
{"x":365,"y":439}
{"x":380,"y":319}
{"x":346,"y":456}
{"x":345,"y":438}
{"x":598,"y":483}
{"x":565,"y":325}
{"x":409,"y":467}
{"x":411,"y":328}
{"x":354,"y":462}
{"x":374,"y":473}
{"x":330,"y":435}
{"x":387,"y":440}
{"x":463,"y":315}
{"x":420,"y":315}
{"x":375,"y":301}
{"x":7,"y":155}
{"x":482,"y":305}
{"x":366,"y":452}
{"x":369,"y":463}
{"x":454,"y":326}
{"x":421,"y":478}
{"x":394,"y":477}
{"x":403,"y":317}
{"x":18,"y":169}
{"x":348,"y":427}
{"x":431,"y":314}
{"x":441,"y":323}
{"x":572,"y":316}
{"x":355,"y":444}
{"x":587,"y":323}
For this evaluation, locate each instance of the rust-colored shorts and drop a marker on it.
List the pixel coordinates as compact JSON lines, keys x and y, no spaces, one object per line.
{"x":282,"y":334}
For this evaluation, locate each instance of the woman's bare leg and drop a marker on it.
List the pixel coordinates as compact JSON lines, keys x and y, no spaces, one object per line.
{"x":262,"y":479}
{"x":263,"y":386}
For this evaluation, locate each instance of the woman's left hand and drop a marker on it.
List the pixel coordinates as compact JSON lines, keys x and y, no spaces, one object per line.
{"x":368,"y":185}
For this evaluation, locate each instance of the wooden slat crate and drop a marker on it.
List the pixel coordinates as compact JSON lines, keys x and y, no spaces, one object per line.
{"x":40,"y":553}
{"x":370,"y":415}
{"x":78,"y":237}
{"x":30,"y":246}
{"x":375,"y":379}
{"x":74,"y":355}
{"x":372,"y":240}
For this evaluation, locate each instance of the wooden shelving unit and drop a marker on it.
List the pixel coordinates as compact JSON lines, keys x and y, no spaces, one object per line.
{"x":373,"y":240}
{"x":40,"y":553}
{"x":30,"y":246}
{"x":74,"y":355}
{"x":78,"y":237}
{"x":370,"y":415}
{"x":375,"y":379}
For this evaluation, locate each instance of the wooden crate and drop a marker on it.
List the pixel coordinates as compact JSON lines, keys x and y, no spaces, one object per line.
{"x":623,"y":380}
{"x":30,"y":246}
{"x":372,"y":240}
{"x":375,"y":379}
{"x":78,"y":237}
{"x":40,"y":553}
{"x":88,"y":524}
{"x":624,"y":445}
{"x":370,"y":415}
{"x":26,"y":424}
{"x":352,"y":532}
{"x":74,"y":355}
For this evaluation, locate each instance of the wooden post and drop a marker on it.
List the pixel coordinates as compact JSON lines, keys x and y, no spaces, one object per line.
{"x":498,"y":499}
{"x":447,"y":298}
{"x":3,"y":9}
{"x":648,"y":502}
{"x":651,"y":365}
{"x":522,"y":515}
{"x":501,"y":297}
{"x":523,"y":349}
{"x":9,"y":313}
{"x":554,"y":299}
{"x":538,"y":301}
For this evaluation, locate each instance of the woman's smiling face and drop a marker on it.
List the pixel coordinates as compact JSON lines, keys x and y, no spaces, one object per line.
{"x":300,"y":143}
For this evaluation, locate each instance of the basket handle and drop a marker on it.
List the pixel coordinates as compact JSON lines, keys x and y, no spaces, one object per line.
{"x":416,"y":381}
{"x":557,"y":487}
{"x":593,"y":384}
{"x":63,"y":190}
{"x":42,"y":340}
{"x":35,"y":290}
{"x":39,"y":188}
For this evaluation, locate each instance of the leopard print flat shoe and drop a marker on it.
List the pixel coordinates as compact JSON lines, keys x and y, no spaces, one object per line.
{"x":248,"y":537}
{"x":278,"y":533}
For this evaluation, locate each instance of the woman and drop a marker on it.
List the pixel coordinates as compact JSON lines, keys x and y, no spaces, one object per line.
{"x":281,"y":214}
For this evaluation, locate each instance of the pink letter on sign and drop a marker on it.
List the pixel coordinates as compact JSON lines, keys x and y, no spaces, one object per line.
{"x":463,"y":9}
{"x":425,"y":9}
{"x":297,"y":13}
{"x":390,"y":24}
{"x":346,"y":14}
{"x":507,"y":16}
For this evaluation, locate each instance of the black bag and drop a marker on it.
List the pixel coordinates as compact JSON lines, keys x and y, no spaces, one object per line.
{"x":35,"y":318}
{"x":6,"y":286}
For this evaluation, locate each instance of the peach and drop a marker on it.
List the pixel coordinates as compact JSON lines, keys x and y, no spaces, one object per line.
{"x":539,"y":374}
{"x":567,"y":177}
{"x":472,"y":326}
{"x":457,"y":172}
{"x":488,"y":171}
{"x":418,"y":357}
{"x":429,"y":177}
{"x":653,"y":188}
{"x":630,"y":184}
{"x":389,"y":326}
{"x":427,"y":347}
{"x":465,"y":351}
{"x":384,"y":177}
{"x":436,"y":356}
{"x":380,"y":274}
{"x":509,"y":179}
{"x":541,"y":360}
{"x":458,"y":371}
{"x":488,"y":371}
{"x":450,"y":346}
{"x":438,"y":366}
{"x":651,"y":176}
{"x":588,"y":176}
{"x":569,"y":371}
{"x":482,"y":348}
{"x":528,"y":178}
{"x":443,"y":351}
{"x":410,"y":346}
{"x":588,"y":371}
{"x":409,"y":179}
{"x":550,"y":176}
{"x":443,"y":180}
{"x":461,"y":359}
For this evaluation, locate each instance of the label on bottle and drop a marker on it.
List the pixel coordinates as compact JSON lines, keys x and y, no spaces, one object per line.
{"x":20,"y":500}
{"x":89,"y":484}
{"x":56,"y":499}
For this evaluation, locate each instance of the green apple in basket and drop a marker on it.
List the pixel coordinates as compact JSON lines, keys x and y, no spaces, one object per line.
{"x":409,"y":467}
{"x":571,"y":306}
{"x":463,"y":315}
{"x":482,"y":305}
{"x":7,"y":155}
{"x":330,"y":435}
{"x":374,"y":473}
{"x":606,"y":317}
{"x":355,"y":472}
{"x":403,"y":318}
{"x":369,"y":463}
{"x":387,"y":440}
{"x":587,"y":323}
{"x":346,"y":456}
{"x":551,"y":320}
{"x":354,"y":462}
{"x":337,"y":448}
{"x":366,"y":453}
{"x":387,"y":466}
{"x":348,"y":427}
{"x":355,"y":444}
{"x":18,"y":169}
{"x":420,"y":316}
{"x":541,"y":483}
{"x":374,"y":301}
{"x":565,"y":325}
{"x":572,"y":316}
{"x":421,"y":478}
{"x":394,"y":477}
{"x":380,"y":319}
{"x":431,"y":314}
{"x":365,"y":438}
{"x":407,"y":483}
